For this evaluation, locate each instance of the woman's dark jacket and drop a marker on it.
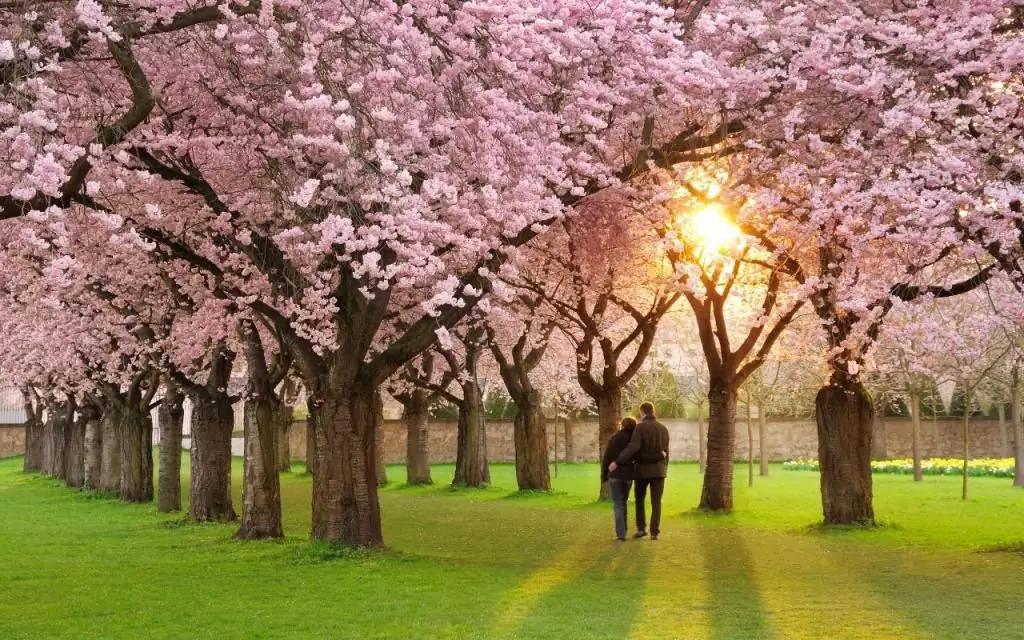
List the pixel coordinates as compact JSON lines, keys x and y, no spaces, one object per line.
{"x":616,"y":445}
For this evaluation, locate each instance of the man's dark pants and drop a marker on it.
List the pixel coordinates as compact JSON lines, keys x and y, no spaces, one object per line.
{"x":620,"y":493}
{"x":657,"y":487}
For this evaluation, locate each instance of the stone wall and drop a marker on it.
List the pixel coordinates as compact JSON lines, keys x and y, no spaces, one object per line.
{"x":577,"y":441}
{"x":12,"y":440}
{"x":785,"y":440}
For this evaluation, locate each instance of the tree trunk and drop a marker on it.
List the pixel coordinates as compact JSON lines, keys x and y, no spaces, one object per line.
{"x":110,"y":456}
{"x":283,"y":419}
{"x":750,"y":445}
{"x":702,"y":442}
{"x":74,"y":451}
{"x":46,"y":446}
{"x":483,"y":447}
{"x":58,"y":424}
{"x":1004,"y":431}
{"x":609,"y":414}
{"x":762,"y":429}
{"x":93,"y":452}
{"x":531,"y":443}
{"x":967,"y":439}
{"x":717,"y":492}
{"x":134,"y":435}
{"x":417,"y":463}
{"x":346,"y":508}
{"x":35,"y":441}
{"x":470,"y":461}
{"x":845,"y":415}
{"x":172,"y":416}
{"x":261,"y":485}
{"x":915,"y":419}
{"x":570,"y":449}
{"x":1018,"y":428}
{"x":878,"y":439}
{"x":378,"y":439}
{"x":147,"y":450}
{"x":210,"y":486}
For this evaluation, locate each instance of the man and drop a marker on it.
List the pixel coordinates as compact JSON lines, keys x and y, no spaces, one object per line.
{"x":621,"y":478}
{"x":648,"y":448}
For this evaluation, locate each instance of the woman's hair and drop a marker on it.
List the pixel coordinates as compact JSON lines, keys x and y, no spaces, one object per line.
{"x":628,"y":423}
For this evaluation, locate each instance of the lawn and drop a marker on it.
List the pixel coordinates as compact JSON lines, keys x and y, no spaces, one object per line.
{"x":493,"y":564}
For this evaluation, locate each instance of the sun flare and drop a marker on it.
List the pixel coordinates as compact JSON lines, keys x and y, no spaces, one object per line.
{"x":711,"y":228}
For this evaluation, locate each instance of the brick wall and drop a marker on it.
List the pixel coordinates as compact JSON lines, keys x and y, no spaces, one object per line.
{"x":12,"y":440}
{"x":785,"y":439}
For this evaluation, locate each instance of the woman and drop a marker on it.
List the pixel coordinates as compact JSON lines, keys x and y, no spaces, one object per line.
{"x":620,"y":480}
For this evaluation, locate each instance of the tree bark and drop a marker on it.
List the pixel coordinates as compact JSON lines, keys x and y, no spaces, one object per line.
{"x":46,"y":441}
{"x":609,"y":414}
{"x":878,"y":439}
{"x":172,"y":416}
{"x":483,"y":446}
{"x":750,"y":445}
{"x":58,"y":425}
{"x":346,"y":508}
{"x":283,"y":419}
{"x":213,"y":420}
{"x":35,"y":444}
{"x":702,"y":442}
{"x":261,"y":485}
{"x":531,"y":443}
{"x":378,"y":439}
{"x":417,"y":462}
{"x":135,"y":436}
{"x":570,"y":449}
{"x":717,"y":491}
{"x":33,"y":433}
{"x":1018,"y":429}
{"x":762,"y":430}
{"x":967,"y":439}
{"x":470,"y":460}
{"x":1004,"y":432}
{"x":74,"y":450}
{"x":110,"y":456}
{"x":845,"y":415}
{"x":915,"y":419}
{"x":93,"y":452}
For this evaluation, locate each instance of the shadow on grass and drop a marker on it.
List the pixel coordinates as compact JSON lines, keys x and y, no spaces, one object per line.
{"x":1013,"y":547}
{"x":734,"y":600}
{"x":940,"y":594}
{"x":598,"y":593}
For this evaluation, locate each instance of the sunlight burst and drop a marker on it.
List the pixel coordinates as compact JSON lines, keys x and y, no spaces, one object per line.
{"x":712,"y":228}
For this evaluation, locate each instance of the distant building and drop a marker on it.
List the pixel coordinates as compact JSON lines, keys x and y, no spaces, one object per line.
{"x":12,"y":409}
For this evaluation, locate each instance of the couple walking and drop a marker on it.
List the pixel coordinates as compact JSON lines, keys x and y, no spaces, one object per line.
{"x":637,"y":452}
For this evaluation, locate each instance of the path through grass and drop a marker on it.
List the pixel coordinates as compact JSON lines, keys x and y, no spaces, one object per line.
{"x":491,"y":564}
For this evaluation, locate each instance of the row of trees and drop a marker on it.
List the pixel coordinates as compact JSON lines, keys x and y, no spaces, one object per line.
{"x":391,"y":196}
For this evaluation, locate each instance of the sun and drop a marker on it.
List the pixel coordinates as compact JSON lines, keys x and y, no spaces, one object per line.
{"x":711,"y":228}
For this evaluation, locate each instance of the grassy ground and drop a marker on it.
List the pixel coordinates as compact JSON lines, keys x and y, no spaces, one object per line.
{"x":491,"y":564}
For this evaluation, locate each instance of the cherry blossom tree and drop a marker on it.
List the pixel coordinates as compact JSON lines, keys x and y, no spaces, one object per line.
{"x":882,"y":132}
{"x":518,"y":335}
{"x":301,"y":193}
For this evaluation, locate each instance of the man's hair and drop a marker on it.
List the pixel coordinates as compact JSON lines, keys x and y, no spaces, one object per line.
{"x":647,"y":409}
{"x":629,"y":422}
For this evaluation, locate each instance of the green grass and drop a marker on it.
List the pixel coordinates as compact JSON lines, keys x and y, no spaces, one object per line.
{"x":484,"y":564}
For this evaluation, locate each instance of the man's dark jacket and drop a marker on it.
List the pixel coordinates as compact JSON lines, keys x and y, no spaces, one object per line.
{"x":616,"y":444}
{"x":648,"y":448}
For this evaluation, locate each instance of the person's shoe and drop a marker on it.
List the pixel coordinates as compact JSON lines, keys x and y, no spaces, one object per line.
{"x":654,"y":536}
{"x":621,"y":539}
{"x":639,"y":534}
